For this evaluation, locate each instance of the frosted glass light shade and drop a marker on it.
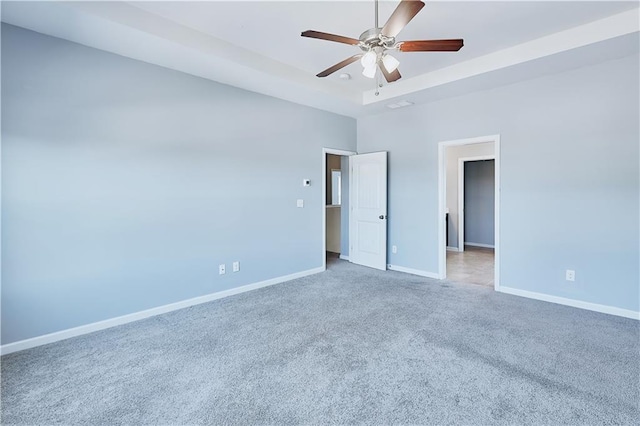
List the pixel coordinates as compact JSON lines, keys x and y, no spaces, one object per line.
{"x":390,"y":63}
{"x":369,"y":59}
{"x":369,"y":71}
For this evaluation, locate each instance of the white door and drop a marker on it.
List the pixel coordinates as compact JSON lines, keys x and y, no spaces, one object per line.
{"x":368,"y":224}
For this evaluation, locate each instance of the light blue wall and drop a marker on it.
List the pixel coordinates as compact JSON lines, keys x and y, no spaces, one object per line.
{"x":570,"y":179}
{"x":479,"y":202}
{"x":124,"y":185}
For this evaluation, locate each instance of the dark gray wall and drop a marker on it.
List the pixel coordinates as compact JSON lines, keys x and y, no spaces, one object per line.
{"x":125,"y":184}
{"x":479,"y":202}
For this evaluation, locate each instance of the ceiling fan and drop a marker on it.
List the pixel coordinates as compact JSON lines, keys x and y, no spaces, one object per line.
{"x":375,"y":43}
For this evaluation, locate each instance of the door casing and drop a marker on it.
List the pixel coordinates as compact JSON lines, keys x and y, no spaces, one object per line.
{"x":442,"y":249}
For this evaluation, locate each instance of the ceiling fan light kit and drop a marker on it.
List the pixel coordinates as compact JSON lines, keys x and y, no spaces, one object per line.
{"x":368,"y":59}
{"x":376,"y":41}
{"x":390,"y":63}
{"x":369,"y":71}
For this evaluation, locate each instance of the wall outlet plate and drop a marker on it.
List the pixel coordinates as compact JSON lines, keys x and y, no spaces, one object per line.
{"x":236,"y":266}
{"x":222,"y":269}
{"x":570,"y":275}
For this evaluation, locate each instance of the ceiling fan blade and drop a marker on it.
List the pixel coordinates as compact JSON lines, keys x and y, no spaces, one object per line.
{"x":400,"y":17}
{"x":390,"y":76}
{"x":330,"y":37}
{"x":339,"y":65}
{"x":452,"y":45}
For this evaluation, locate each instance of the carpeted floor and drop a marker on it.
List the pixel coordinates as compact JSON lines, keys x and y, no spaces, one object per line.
{"x":351,"y":345}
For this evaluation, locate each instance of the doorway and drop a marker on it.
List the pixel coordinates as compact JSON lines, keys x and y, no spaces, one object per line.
{"x":469,"y":200}
{"x":335,"y":205}
{"x":361,"y":191}
{"x":473,"y":262}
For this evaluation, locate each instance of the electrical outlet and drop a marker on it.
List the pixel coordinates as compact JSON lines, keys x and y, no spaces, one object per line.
{"x":394,"y":249}
{"x":570,"y":275}
{"x":222,"y":269}
{"x":236,"y":266}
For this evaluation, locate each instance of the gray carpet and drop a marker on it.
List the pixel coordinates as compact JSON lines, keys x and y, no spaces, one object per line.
{"x":351,"y":345}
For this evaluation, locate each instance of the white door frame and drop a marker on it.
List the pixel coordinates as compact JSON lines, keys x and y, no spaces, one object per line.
{"x":461,"y":162}
{"x":442,"y":170}
{"x":326,"y":151}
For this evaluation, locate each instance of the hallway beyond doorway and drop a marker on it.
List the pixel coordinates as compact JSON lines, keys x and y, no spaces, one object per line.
{"x":475,"y":265}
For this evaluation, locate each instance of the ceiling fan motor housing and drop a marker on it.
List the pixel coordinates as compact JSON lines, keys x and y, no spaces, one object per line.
{"x":373,"y":38}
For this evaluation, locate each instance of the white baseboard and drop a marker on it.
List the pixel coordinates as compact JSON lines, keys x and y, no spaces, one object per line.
{"x":452,"y":248}
{"x":611,"y":310}
{"x":479,"y":245}
{"x":343,"y":257}
{"x":413,"y":271}
{"x":124,"y":319}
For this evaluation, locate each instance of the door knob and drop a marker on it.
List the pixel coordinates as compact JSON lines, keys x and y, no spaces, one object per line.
{"x":381,"y":216}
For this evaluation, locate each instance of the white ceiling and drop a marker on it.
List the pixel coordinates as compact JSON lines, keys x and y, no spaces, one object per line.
{"x":257,"y":45}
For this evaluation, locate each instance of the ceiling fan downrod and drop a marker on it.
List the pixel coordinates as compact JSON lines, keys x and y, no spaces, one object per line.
{"x":376,"y":23}
{"x":378,"y":85}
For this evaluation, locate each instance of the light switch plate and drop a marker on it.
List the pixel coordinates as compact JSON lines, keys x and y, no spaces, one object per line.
{"x":300,"y":203}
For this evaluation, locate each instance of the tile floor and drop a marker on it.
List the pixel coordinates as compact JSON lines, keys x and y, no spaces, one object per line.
{"x":474,"y":266}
